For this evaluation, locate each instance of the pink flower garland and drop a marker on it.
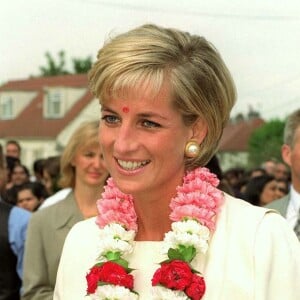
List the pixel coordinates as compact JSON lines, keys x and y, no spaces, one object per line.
{"x":197,"y":199}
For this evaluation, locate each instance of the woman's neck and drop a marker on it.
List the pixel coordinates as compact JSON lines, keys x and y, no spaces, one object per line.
{"x":153,"y":216}
{"x":86,"y":198}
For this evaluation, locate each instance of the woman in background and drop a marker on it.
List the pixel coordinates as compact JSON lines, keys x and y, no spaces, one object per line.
{"x":261,"y":190}
{"x":82,"y":169}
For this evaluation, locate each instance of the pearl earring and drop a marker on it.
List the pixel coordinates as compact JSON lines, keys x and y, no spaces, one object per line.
{"x":192,"y":149}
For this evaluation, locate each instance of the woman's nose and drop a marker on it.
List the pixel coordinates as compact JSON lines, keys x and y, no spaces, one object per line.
{"x":126,"y":140}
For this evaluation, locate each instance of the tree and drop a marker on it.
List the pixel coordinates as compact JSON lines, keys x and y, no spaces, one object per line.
{"x":82,"y":65}
{"x":265,"y":142}
{"x":54,"y":68}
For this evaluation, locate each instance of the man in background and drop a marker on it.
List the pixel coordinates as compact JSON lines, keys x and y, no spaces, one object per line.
{"x":13,"y":149}
{"x":289,"y":206}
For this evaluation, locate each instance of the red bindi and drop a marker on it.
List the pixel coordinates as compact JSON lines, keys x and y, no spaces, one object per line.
{"x":125,"y":109}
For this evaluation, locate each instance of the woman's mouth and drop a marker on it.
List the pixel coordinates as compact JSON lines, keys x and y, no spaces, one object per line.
{"x":132,"y":165}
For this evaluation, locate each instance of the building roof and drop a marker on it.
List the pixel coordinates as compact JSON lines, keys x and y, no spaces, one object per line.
{"x":30,"y":123}
{"x":236,"y":135}
{"x":37,"y":83}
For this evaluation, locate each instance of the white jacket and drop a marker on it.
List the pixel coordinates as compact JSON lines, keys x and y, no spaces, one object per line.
{"x":253,"y":255}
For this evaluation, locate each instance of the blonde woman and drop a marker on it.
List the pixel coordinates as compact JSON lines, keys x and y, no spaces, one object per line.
{"x":164,"y":230}
{"x":82,"y":169}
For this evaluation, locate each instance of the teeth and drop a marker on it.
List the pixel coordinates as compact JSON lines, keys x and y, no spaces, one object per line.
{"x":131,"y":165}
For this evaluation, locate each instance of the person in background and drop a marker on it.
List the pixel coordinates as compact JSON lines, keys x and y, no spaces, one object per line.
{"x":281,"y":171}
{"x":269,"y":166}
{"x":282,"y":188}
{"x":166,"y":96}
{"x":83,"y":171}
{"x":38,"y":166}
{"x":233,"y":177}
{"x":260,"y":190}
{"x":20,"y":174}
{"x":11,"y":162}
{"x":3,"y":172}
{"x":289,"y":205}
{"x":256,"y":172}
{"x":13,"y":226}
{"x":51,"y":174}
{"x":13,"y":149}
{"x":31,"y":195}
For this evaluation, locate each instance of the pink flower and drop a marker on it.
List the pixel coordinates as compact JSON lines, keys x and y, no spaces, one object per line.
{"x":116,"y":207}
{"x":202,"y":215}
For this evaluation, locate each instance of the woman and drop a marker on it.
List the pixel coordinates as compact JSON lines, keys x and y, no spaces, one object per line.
{"x":51,"y":174}
{"x":261,"y":190}
{"x":30,"y":195}
{"x":282,"y":188}
{"x":165,"y":97}
{"x":82,"y":169}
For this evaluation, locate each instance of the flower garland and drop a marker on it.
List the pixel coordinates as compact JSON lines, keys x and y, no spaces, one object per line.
{"x":193,"y":213}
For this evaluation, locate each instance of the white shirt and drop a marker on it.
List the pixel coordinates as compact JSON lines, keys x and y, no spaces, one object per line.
{"x":58,"y":196}
{"x":253,"y":255}
{"x":293,"y":208}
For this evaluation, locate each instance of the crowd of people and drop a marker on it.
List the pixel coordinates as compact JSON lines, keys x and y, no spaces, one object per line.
{"x":154,"y":175}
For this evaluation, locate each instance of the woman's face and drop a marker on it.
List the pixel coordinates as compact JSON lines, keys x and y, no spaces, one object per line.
{"x":27,"y":200}
{"x":268,"y":193}
{"x":281,"y":189}
{"x":47,"y":181}
{"x":19,"y":175}
{"x":143,"y":140}
{"x":89,"y":165}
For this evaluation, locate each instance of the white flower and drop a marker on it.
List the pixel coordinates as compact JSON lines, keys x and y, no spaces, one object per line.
{"x":188,"y":233}
{"x":192,"y":227}
{"x":162,"y":293}
{"x":115,"y":238}
{"x":113,"y":292}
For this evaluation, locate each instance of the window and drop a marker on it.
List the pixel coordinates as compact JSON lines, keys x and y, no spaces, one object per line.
{"x":53,"y":104}
{"x":6,"y":108}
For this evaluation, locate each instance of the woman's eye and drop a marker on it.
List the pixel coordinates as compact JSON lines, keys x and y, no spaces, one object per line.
{"x":150,"y":124}
{"x":89,"y":154}
{"x":110,"y":119}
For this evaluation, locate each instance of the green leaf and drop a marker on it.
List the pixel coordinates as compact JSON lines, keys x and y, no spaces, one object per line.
{"x":110,"y":255}
{"x":175,"y":254}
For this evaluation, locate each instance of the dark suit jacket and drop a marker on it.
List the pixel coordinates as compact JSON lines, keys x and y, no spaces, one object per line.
{"x":280,"y":205}
{"x":46,"y":234}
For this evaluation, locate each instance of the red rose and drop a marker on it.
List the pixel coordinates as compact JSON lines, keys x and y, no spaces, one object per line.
{"x":115,"y":274}
{"x":109,"y":272}
{"x":175,"y":275}
{"x":92,"y":279}
{"x":197,"y":288}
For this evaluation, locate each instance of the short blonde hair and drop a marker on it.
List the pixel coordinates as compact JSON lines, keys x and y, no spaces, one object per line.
{"x":84,"y":136}
{"x":201,"y":84}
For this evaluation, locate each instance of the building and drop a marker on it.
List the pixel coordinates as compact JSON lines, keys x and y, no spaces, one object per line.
{"x":41,"y":113}
{"x":233,"y":147}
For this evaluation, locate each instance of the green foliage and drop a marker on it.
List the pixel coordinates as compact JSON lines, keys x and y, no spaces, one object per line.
{"x":54,"y":68}
{"x":82,"y":65}
{"x":57,"y":67}
{"x":265,"y":142}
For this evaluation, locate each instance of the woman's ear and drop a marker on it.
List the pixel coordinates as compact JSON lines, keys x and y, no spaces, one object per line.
{"x":199,"y":130}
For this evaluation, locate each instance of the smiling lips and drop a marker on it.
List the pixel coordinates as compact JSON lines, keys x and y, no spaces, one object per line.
{"x":132,"y":165}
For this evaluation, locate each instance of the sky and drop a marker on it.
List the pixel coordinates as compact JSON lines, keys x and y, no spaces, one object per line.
{"x":259,"y":40}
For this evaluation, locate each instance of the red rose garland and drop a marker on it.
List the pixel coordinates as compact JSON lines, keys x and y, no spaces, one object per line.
{"x":193,"y":211}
